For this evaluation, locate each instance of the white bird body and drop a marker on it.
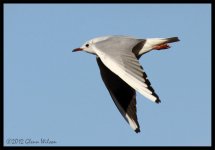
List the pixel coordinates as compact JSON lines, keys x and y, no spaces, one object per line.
{"x":117,"y":57}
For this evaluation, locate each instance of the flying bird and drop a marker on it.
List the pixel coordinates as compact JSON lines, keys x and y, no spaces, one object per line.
{"x":117,"y":57}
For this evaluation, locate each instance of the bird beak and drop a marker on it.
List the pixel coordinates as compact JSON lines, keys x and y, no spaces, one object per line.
{"x":77,"y":49}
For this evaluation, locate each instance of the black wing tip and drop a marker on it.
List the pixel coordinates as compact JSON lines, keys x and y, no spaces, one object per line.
{"x":137,"y":130}
{"x":157,"y":101}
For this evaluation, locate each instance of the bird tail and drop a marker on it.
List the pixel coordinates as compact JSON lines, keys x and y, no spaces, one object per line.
{"x":172,"y":39}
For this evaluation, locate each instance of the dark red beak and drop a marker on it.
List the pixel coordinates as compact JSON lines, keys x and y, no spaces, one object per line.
{"x":77,"y":49}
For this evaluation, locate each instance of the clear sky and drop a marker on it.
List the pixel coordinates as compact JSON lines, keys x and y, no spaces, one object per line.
{"x":52,"y":93}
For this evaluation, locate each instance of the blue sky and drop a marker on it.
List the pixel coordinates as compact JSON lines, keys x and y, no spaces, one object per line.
{"x":52,"y":93}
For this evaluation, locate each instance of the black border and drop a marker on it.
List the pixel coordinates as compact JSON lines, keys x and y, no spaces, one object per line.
{"x":118,"y":2}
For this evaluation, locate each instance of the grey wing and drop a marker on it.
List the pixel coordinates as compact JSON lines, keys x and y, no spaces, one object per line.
{"x":122,"y":94}
{"x":124,"y":43}
{"x":123,"y":63}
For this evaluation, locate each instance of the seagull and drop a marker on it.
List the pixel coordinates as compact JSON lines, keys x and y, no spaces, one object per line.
{"x":118,"y":60}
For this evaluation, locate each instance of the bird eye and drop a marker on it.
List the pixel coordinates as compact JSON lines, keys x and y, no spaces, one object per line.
{"x":87,"y":45}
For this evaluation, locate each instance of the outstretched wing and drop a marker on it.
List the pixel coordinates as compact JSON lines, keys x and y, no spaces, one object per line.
{"x":118,"y":57}
{"x":122,"y":94}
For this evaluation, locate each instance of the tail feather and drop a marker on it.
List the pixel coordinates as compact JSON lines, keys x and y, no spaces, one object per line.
{"x":148,"y":44}
{"x":173,"y":39}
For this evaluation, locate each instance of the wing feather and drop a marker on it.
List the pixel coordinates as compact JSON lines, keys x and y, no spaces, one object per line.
{"x":119,"y":63}
{"x":122,"y":94}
